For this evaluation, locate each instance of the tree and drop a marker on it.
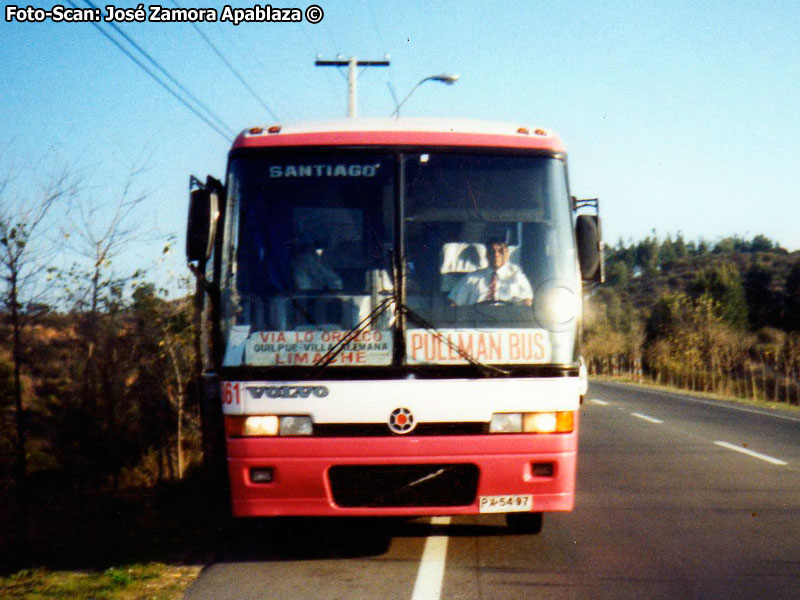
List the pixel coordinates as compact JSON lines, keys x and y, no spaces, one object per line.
{"x":624,"y":254}
{"x":726,"y":245}
{"x":612,"y":332}
{"x":663,"y":317}
{"x":762,"y":243}
{"x":98,"y":234}
{"x":6,"y":424}
{"x":682,"y":341}
{"x":791,"y":302}
{"x":617,"y":275}
{"x":163,"y":343}
{"x":768,"y":349}
{"x":762,"y":304}
{"x":667,"y":254}
{"x":723,"y":284}
{"x":22,"y":265}
{"x":791,"y":366}
{"x":647,"y":255}
{"x":698,"y":249}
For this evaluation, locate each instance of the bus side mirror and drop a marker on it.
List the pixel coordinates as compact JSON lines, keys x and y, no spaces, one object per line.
{"x":590,"y":248}
{"x":202,"y":224}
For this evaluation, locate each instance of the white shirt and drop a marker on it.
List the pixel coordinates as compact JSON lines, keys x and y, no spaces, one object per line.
{"x":512,"y":286}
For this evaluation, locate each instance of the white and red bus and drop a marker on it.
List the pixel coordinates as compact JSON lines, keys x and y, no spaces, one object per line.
{"x":353,"y":379}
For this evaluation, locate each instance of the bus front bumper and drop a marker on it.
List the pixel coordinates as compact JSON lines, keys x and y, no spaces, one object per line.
{"x":402,"y":476}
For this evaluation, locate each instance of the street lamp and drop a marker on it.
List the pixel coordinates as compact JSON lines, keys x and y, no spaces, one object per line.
{"x":443,"y":78}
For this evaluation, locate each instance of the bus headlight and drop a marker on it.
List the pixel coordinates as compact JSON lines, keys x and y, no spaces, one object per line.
{"x":506,"y":423}
{"x":538,"y":422}
{"x":296,"y":426}
{"x":261,"y":425}
{"x":267,"y":425}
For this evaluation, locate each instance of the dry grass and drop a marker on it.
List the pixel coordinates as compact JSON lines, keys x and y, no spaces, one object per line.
{"x":152,"y":581}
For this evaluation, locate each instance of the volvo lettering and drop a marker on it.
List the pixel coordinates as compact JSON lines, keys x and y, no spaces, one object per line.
{"x":288,"y":391}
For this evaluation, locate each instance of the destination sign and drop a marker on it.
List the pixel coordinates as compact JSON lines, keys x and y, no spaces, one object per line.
{"x":494,"y":346}
{"x":307,"y":348}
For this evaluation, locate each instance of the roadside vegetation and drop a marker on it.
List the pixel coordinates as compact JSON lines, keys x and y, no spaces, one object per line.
{"x":721,"y":318}
{"x":153,"y":581}
{"x":101,"y":490}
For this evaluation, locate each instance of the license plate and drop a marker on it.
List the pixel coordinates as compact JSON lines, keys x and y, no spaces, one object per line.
{"x":504,"y":504}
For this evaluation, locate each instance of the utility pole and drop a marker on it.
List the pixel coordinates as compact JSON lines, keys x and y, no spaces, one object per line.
{"x":351,"y":64}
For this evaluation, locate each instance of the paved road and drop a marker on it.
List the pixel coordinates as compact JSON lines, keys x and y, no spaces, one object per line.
{"x":677,"y":498}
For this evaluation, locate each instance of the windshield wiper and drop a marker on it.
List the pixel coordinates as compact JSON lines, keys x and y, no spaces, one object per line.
{"x":351,"y":335}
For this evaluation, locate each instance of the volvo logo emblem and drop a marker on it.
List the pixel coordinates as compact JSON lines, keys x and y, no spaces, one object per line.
{"x":401,"y":420}
{"x":288,"y":391}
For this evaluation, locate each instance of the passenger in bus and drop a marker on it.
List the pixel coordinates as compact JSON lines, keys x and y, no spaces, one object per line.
{"x":312,"y":273}
{"x":501,"y":281}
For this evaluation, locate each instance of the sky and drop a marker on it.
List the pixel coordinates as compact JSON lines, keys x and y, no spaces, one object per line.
{"x":680,"y":116}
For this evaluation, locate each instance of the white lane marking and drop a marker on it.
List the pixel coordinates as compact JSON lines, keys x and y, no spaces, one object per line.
{"x":428,"y":585}
{"x":598,"y":401}
{"x":646,"y":418}
{"x":769,"y":459}
{"x":731,"y":405}
{"x":754,"y":411}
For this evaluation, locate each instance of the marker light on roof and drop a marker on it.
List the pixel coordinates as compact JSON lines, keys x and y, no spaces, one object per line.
{"x":540,"y":132}
{"x":274,"y":129}
{"x":523,"y":131}
{"x":256,"y":131}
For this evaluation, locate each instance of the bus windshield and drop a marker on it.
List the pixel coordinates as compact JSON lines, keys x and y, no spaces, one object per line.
{"x":309,"y":242}
{"x":472,"y":218}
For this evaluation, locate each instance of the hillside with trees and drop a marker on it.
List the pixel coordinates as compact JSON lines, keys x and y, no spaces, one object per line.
{"x":721,"y":317}
{"x":106,"y":416}
{"x":96,"y":410}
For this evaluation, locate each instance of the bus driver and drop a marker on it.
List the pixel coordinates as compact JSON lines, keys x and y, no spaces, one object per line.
{"x":501,"y":281}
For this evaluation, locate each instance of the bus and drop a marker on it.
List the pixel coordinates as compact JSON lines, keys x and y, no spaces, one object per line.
{"x":390,"y":318}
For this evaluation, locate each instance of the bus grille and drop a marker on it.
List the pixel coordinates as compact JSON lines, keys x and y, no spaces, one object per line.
{"x":386,"y":486}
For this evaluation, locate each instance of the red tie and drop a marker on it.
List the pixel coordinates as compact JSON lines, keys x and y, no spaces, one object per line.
{"x":490,"y":296}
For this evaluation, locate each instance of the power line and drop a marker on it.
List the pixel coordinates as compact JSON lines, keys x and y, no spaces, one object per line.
{"x":376,"y":27}
{"x":230,"y":66}
{"x":225,"y":135}
{"x":246,"y":58}
{"x":208,"y":111}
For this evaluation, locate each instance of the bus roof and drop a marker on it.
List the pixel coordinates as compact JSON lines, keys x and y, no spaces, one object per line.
{"x":400,"y":132}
